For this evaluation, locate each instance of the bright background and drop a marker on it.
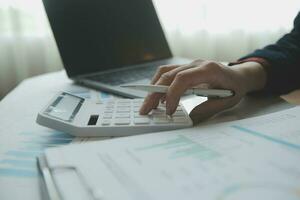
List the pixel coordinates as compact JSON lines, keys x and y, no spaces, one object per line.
{"x":207,"y":29}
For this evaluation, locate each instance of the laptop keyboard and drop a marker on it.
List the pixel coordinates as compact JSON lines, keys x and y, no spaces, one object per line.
{"x":125,"y":76}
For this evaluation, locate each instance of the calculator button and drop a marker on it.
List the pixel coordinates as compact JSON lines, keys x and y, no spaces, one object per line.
{"x":136,"y":109}
{"x":138,"y":101}
{"x":179,"y":108}
{"x":161,"y":107}
{"x":124,"y":104}
{"x":137,"y":115}
{"x":179,"y":113}
{"x":108,"y":111}
{"x":122,"y":122}
{"x":122,"y":115}
{"x":179,"y":120}
{"x":161,"y":115}
{"x":106,"y":122}
{"x":141,"y":121}
{"x":120,"y":101}
{"x":110,"y":102}
{"x":161,"y":120}
{"x":158,"y":111}
{"x":123,"y":109}
{"x":107,"y":116}
{"x":109,"y":107}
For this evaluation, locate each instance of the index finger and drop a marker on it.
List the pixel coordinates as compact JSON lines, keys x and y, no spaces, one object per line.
{"x":152,"y":100}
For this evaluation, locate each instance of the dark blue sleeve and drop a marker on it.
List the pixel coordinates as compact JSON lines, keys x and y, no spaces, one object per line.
{"x":283,"y":74}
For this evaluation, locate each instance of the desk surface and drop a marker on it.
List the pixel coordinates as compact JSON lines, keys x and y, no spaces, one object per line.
{"x":22,"y":139}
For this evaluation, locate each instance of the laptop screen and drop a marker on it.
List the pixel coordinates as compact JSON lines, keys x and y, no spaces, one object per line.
{"x":97,"y":35}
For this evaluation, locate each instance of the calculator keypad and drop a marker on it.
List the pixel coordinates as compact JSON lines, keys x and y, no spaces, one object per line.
{"x":125,"y":112}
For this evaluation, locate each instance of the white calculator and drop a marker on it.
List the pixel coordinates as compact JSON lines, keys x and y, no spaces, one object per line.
{"x":118,"y":117}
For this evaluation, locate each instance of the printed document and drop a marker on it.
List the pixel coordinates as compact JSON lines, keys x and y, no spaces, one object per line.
{"x":255,"y":158}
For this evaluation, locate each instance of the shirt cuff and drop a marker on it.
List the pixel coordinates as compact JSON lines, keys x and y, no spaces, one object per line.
{"x":261,"y":61}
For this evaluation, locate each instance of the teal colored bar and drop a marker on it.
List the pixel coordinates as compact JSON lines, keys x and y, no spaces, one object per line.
{"x":191,"y":150}
{"x":19,"y":163}
{"x":272,"y":139}
{"x":23,"y":154}
{"x":39,"y":148}
{"x":196,"y":151}
{"x":49,"y":134}
{"x":48,"y":142}
{"x":18,"y":173}
{"x":180,"y":140}
{"x":59,"y":136}
{"x":177,"y":145}
{"x":56,"y":133}
{"x":104,"y":95}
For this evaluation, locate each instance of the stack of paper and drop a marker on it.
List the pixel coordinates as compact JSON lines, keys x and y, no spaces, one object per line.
{"x":256,"y":158}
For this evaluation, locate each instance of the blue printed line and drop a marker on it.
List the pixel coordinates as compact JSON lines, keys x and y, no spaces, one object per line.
{"x":104,"y":95}
{"x":35,"y":147}
{"x":49,"y":141}
{"x":18,"y":173}
{"x":22,"y":154}
{"x":272,"y":139}
{"x":59,"y":136}
{"x":20,"y":163}
{"x":49,"y":134}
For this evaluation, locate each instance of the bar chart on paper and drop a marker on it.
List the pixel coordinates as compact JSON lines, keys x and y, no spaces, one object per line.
{"x":268,"y":191}
{"x":182,"y":147}
{"x":281,"y":128}
{"x":20,"y":161}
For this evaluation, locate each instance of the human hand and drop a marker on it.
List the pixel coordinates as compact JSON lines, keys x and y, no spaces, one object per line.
{"x":241,"y":79}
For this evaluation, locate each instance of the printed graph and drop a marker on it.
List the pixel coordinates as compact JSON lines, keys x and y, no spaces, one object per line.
{"x":21,"y":161}
{"x":260,"y":190}
{"x":182,"y":147}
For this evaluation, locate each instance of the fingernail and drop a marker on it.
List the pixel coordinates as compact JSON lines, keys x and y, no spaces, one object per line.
{"x":143,"y":111}
{"x":168,"y":109}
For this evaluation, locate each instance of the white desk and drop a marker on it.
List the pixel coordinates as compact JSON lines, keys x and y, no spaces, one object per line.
{"x":22,"y":139}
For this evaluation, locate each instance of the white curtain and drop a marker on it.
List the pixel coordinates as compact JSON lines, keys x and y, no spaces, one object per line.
{"x":27,"y":47}
{"x":209,"y":29}
{"x":224,"y":30}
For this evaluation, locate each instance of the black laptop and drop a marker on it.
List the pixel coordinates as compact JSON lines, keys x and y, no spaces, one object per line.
{"x":106,"y":43}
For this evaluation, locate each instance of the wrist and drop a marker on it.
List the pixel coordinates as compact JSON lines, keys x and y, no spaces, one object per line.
{"x":252,"y":74}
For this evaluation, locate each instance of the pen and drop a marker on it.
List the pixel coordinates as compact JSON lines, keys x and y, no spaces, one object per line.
{"x":216,"y":93}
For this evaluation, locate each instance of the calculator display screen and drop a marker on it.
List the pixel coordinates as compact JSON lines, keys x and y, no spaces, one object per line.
{"x":65,"y":107}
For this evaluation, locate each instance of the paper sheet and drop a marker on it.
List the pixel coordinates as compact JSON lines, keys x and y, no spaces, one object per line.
{"x":248,"y":159}
{"x":292,"y":97}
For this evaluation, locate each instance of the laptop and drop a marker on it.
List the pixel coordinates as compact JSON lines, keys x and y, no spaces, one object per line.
{"x":107,"y":43}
